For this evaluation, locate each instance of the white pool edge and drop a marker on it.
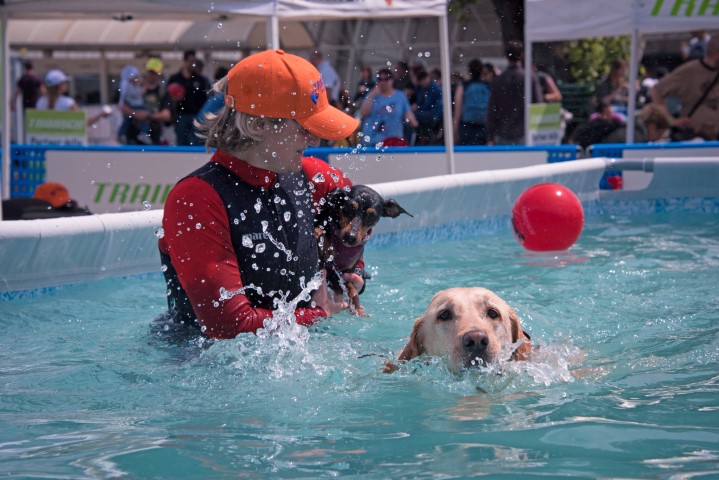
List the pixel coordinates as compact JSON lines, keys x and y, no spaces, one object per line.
{"x":36,"y":254}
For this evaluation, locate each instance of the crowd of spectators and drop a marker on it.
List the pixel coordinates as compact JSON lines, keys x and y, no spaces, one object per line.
{"x":402,"y":105}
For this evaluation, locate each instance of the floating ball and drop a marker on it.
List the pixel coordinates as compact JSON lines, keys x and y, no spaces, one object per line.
{"x":546,"y":217}
{"x":176,"y":91}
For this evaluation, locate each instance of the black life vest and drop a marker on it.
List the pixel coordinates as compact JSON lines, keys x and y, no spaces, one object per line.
{"x":272,"y":235}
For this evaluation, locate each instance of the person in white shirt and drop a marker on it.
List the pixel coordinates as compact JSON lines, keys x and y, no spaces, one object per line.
{"x":56,"y":83}
{"x":330,"y":78}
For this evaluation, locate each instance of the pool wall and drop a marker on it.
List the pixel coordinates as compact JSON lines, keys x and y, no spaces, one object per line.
{"x":35,"y":254}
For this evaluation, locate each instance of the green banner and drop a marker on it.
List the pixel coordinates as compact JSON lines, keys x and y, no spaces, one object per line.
{"x":55,"y":128}
{"x":545,"y":123}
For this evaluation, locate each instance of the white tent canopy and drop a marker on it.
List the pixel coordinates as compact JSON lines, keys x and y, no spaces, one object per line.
{"x":555,"y":20}
{"x":219,"y":10}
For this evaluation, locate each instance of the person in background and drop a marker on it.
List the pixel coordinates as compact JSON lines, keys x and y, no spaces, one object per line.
{"x":364,"y":85}
{"x":428,"y":110}
{"x":330,"y":77}
{"x":550,"y":90}
{"x":131,"y":104}
{"x":243,"y":223}
{"x":613,"y":89}
{"x":146,"y":123}
{"x":402,"y":78}
{"x":385,"y":111}
{"x":695,"y":84}
{"x":505,"y":113}
{"x":471,"y":100}
{"x":215,"y":100}
{"x":195,"y":94}
{"x":56,"y":84}
{"x":602,"y":123}
{"x":653,"y":125}
{"x":29,"y":87}
{"x":489,"y":73}
{"x":697,"y":45}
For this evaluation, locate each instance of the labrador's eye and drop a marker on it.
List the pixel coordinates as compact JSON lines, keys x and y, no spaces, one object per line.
{"x":492,"y":313}
{"x":444,"y":315}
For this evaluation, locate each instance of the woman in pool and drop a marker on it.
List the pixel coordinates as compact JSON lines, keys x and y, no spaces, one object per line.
{"x":243,"y":222}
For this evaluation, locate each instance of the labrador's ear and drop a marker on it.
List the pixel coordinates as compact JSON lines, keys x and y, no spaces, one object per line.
{"x":518,"y":335}
{"x":414,"y":346}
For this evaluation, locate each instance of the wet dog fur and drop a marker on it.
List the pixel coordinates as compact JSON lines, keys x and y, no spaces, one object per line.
{"x":342,"y":229}
{"x":470,"y":326}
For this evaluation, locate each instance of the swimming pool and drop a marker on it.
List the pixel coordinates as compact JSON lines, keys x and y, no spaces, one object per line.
{"x":625,"y":384}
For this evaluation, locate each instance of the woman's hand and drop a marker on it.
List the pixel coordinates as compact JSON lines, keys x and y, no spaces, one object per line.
{"x":326,"y":299}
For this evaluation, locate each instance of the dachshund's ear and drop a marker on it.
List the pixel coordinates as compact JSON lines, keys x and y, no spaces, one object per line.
{"x":414,"y":346}
{"x":518,"y":335}
{"x":335,"y":197}
{"x":393,"y":210}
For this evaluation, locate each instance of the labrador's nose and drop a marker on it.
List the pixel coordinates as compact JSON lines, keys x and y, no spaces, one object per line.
{"x":475,"y":342}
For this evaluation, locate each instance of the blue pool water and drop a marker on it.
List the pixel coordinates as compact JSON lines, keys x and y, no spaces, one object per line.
{"x":625,"y":384}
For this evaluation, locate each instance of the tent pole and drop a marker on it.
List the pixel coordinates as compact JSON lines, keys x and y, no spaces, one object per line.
{"x":633,"y":74}
{"x":273,"y":32}
{"x":527,"y":88}
{"x":4,"y":98}
{"x":446,"y":92}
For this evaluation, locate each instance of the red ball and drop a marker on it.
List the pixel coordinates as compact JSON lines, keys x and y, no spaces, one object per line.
{"x":176,"y":91}
{"x":546,"y":217}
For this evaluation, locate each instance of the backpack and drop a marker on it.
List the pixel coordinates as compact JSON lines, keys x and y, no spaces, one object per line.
{"x":475,"y":102}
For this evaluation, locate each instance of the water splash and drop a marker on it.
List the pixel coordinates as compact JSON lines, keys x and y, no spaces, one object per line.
{"x":279,"y":245}
{"x":288,"y":351}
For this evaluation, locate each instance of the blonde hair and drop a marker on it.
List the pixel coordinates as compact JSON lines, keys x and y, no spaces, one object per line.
{"x":229,"y":130}
{"x":656,"y":115}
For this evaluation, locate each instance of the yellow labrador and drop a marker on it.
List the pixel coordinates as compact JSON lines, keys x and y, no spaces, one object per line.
{"x":472,"y":326}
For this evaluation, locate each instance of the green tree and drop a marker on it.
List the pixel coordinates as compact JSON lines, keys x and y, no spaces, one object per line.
{"x":588,"y":60}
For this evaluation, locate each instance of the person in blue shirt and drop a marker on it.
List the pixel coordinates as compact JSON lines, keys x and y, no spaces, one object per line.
{"x":215,"y":101}
{"x":384,"y":112}
{"x":428,"y":109}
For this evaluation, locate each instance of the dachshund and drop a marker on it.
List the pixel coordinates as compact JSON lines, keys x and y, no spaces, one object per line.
{"x":472,"y":326}
{"x":343,"y":228}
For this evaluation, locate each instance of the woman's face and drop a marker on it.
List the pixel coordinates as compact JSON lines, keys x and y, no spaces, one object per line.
{"x":285,"y":145}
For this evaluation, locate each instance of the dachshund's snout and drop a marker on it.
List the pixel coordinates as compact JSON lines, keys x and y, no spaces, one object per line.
{"x":475,"y":343}
{"x":350,"y":238}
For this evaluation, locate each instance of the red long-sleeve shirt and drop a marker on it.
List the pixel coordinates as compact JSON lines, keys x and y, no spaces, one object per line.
{"x":204,"y":258}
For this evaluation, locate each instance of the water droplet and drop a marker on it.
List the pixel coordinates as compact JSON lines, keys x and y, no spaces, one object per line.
{"x":287,"y":216}
{"x":236,"y":221}
{"x":319,"y":178}
{"x":163,"y":268}
{"x":292,"y":113}
{"x":198,"y":226}
{"x":159,"y":233}
{"x":260,"y":247}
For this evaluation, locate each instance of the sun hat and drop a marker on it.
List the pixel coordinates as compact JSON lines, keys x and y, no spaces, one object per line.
{"x":280,"y":85}
{"x":55,"y":77}
{"x":55,"y":194}
{"x":154,"y":65}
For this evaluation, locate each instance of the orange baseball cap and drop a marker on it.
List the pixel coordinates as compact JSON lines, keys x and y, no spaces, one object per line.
{"x":53,"y":193}
{"x":276,"y":84}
